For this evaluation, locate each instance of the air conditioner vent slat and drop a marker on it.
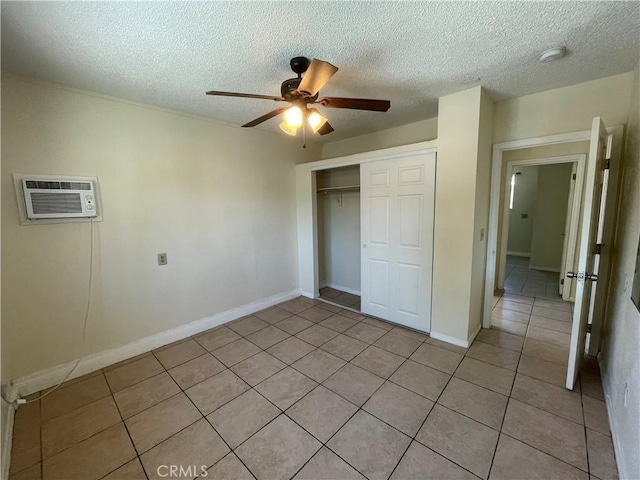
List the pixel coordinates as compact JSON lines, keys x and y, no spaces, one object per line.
{"x":46,"y":203}
{"x":47,"y":185}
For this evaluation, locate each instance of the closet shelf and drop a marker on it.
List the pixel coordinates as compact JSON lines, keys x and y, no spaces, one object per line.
{"x":347,"y":188}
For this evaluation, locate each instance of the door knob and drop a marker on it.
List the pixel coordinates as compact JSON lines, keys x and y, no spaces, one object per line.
{"x":583,"y":276}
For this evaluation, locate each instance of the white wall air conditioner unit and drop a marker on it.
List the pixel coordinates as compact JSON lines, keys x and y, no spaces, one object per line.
{"x":49,"y":197}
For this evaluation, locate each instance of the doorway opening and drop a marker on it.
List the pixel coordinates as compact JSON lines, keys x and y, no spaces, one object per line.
{"x":540,"y":226}
{"x":597,"y":180}
{"x":338,"y":227}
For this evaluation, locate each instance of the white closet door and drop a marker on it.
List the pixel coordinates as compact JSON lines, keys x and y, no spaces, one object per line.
{"x":397,"y":208}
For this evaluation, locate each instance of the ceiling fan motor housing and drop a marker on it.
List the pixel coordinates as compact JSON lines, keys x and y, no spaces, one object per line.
{"x":299,"y":65}
{"x":289,"y":92}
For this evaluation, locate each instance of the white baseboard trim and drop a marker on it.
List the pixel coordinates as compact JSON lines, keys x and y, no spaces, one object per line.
{"x":617,"y":447}
{"x":47,"y":378}
{"x":7,"y":441}
{"x":307,"y":294}
{"x":448,"y":339}
{"x":544,"y":269}
{"x":474,"y":334}
{"x":519,"y":254}
{"x":343,"y":289}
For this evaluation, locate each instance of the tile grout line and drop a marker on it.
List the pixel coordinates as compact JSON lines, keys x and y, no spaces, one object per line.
{"x":541,"y":409}
{"x":385,"y":380}
{"x":41,"y":443}
{"x":84,"y":439}
{"x":229,"y":368}
{"x":135,"y":449}
{"x":325,"y":444}
{"x":584,"y":420}
{"x":250,"y":388}
{"x":202,"y":417}
{"x":165,"y":370}
{"x":425,"y":420}
{"x":506,"y":408}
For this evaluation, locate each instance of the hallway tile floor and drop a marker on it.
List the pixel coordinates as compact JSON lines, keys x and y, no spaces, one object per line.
{"x":305,"y":390}
{"x":519,"y":278}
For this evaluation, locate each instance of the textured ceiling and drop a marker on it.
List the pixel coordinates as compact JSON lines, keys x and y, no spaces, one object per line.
{"x":169,"y":53}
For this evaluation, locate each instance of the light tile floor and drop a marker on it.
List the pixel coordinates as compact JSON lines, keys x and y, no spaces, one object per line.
{"x":305,"y":390}
{"x":523,"y":280}
{"x":341,"y":298}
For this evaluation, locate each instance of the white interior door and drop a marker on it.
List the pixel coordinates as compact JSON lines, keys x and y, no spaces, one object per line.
{"x":397,"y":198}
{"x":563,"y":282}
{"x":587,"y":264}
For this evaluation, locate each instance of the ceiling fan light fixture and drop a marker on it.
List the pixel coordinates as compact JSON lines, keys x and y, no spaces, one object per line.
{"x":288,"y":129}
{"x":315,"y":119}
{"x":293,"y":117}
{"x":301,"y":93}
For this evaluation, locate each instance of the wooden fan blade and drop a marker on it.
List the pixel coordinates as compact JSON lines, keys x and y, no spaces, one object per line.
{"x":265,"y":117}
{"x":245,"y":95}
{"x":356,"y":103}
{"x":317,"y":75}
{"x":324,"y":129}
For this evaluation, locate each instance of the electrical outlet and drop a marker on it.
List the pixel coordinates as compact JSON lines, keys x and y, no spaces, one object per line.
{"x":162,"y":259}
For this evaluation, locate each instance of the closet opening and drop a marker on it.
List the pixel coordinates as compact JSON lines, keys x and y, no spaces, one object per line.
{"x":338,"y":227}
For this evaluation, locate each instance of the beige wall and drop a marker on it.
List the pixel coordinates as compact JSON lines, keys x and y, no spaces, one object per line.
{"x":524,"y":203}
{"x":339,"y":177}
{"x":621,"y":352}
{"x":339,"y":240}
{"x":461,"y":194}
{"x":566,"y":109}
{"x":219,"y":200}
{"x":481,"y":216}
{"x":421,"y":131}
{"x":339,"y":229}
{"x":547,"y":242}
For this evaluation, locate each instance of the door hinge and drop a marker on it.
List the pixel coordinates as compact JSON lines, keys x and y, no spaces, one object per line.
{"x":607,"y":164}
{"x":598,"y":249}
{"x":562,"y":281}
{"x":588,"y":328}
{"x":573,"y":176}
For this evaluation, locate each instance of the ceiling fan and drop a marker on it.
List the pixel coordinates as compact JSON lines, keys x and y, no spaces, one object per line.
{"x":302,"y":92}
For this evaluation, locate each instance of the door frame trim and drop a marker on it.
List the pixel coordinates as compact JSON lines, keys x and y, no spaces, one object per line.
{"x":307,"y":208}
{"x":494,"y":200}
{"x":581,"y":160}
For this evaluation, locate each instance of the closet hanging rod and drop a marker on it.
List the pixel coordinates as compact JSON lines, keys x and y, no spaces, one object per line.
{"x":346,"y":188}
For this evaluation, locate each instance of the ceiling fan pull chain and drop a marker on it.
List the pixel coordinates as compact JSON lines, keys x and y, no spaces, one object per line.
{"x":304,"y":136}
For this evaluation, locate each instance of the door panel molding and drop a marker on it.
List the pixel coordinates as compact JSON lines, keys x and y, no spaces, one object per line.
{"x":402,"y":292}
